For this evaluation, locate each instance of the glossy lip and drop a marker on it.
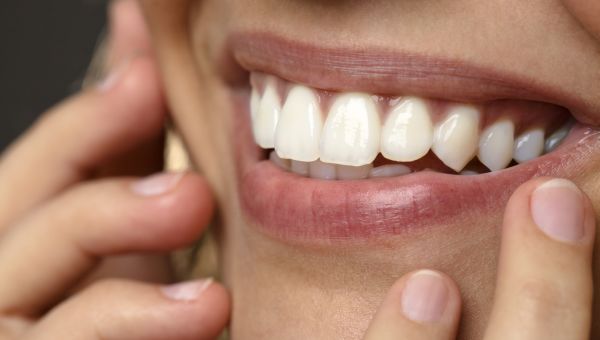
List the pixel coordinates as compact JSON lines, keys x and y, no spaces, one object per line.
{"x":294,"y":209}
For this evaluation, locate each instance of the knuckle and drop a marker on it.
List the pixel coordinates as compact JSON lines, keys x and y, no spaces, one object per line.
{"x":543,"y":301}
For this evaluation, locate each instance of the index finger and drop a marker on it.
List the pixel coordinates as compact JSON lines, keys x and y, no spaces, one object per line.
{"x":72,"y":139}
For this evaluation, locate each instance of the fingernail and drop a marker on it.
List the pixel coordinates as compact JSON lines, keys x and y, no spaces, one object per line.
{"x":557,"y":209}
{"x":186,"y":291}
{"x":425,"y":297}
{"x":157,"y":185}
{"x":114,"y":77}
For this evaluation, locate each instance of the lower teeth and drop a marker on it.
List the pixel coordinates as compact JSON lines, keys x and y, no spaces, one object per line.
{"x":326,"y":171}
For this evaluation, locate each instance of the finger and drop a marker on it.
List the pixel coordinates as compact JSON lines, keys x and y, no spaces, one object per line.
{"x":128,"y":31}
{"x":46,"y":254}
{"x":422,"y":305}
{"x":72,"y":139}
{"x":125,"y":310}
{"x":544,"y":287}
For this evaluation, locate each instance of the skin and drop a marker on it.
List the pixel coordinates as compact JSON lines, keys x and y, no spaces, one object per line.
{"x":304,"y":293}
{"x":317,"y":294}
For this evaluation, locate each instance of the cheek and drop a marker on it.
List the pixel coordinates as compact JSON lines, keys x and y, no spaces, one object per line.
{"x":588,"y":14}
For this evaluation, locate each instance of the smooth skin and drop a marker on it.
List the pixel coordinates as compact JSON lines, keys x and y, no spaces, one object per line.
{"x":56,"y":225}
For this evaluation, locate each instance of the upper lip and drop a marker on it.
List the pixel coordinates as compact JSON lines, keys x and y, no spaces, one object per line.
{"x":387,"y":72}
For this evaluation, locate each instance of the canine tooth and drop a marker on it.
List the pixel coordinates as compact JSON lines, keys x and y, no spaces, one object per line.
{"x":282,"y":163}
{"x":267,"y":116}
{"x":456,"y":138}
{"x":352,"y":131}
{"x":529,"y":145}
{"x":345,"y":172}
{"x":300,"y":124}
{"x":322,"y":170}
{"x":408,"y":132}
{"x":390,"y":170}
{"x":557,"y":137}
{"x":300,"y":168}
{"x":496,"y":145}
{"x":254,"y":103}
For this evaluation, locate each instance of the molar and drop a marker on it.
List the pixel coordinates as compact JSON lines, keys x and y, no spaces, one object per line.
{"x":557,"y":137}
{"x":408,"y":132}
{"x":529,"y":145}
{"x":456,"y":138}
{"x":351,"y":133}
{"x":300,"y":124}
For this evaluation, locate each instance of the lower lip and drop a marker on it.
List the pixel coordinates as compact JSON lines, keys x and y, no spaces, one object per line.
{"x":301,"y":210}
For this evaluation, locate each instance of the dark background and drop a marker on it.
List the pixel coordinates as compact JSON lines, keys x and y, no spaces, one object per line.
{"x":45,"y":47}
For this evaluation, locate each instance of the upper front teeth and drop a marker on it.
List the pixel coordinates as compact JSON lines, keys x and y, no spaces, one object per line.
{"x":351,"y":132}
{"x":298,"y":133}
{"x":320,"y":131}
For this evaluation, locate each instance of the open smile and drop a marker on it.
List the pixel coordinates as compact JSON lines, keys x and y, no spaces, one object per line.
{"x":345,"y":146}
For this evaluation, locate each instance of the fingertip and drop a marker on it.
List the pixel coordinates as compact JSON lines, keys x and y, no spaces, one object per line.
{"x":138,"y":98}
{"x":205,"y":303}
{"x":128,"y":30}
{"x":556,"y":207}
{"x":429,"y":296}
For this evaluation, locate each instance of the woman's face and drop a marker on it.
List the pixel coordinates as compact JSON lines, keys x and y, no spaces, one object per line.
{"x":478,"y":83}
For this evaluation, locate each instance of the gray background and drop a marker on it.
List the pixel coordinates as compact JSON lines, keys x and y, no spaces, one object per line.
{"x":45,"y":47}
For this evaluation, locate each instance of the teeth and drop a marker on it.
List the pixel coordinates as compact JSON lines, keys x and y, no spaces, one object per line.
{"x":529,"y":145}
{"x":408,"y":131}
{"x":344,"y":142}
{"x":282,"y":163}
{"x":456,"y":139}
{"x":346,"y":173}
{"x":352,"y":131}
{"x":556,"y":138}
{"x":267,"y":116}
{"x":300,"y":168}
{"x":391,"y":170}
{"x":496,"y":145}
{"x":300,"y":124}
{"x":469,"y":173}
{"x":254,"y":103}
{"x":322,"y":170}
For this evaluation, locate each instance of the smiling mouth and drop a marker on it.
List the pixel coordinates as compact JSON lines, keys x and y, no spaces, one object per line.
{"x":331,"y":161}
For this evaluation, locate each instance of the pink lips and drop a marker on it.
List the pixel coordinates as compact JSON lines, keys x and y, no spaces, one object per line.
{"x":298,"y":209}
{"x":303,"y":210}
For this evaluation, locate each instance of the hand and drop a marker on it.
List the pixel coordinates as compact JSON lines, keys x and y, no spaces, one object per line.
{"x":57,"y":221}
{"x":544,"y":286}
